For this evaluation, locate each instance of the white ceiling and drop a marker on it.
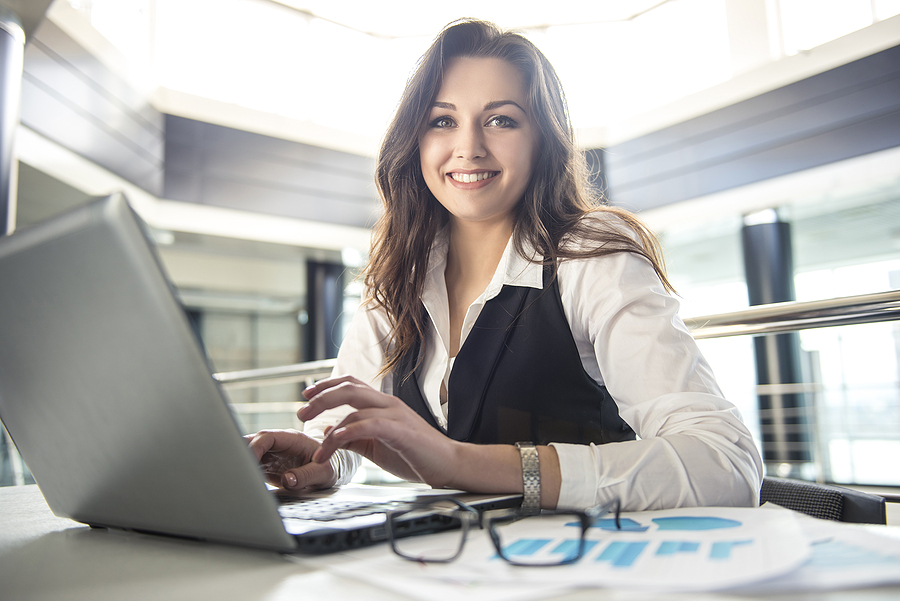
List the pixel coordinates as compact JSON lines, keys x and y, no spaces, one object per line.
{"x":629,"y":66}
{"x":410,"y":18}
{"x":848,"y":181}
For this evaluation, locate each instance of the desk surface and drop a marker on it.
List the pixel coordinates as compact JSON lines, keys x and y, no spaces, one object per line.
{"x":46,"y":557}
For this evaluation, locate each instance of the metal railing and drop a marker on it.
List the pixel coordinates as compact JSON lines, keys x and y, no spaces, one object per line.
{"x":304,"y":373}
{"x":762,"y":319}
{"x":793,"y":316}
{"x":283,"y":374}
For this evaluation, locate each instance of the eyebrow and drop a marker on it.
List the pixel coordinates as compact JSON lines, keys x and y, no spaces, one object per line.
{"x":488,"y":107}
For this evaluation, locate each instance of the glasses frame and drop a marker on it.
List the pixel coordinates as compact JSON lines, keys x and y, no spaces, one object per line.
{"x":466,"y":516}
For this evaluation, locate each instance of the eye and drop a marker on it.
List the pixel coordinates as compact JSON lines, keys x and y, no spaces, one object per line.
{"x":441,"y":123}
{"x":501,"y":121}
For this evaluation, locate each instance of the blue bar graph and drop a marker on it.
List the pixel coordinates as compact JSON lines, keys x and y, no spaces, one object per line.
{"x":672,"y":547}
{"x":669,"y":523}
{"x":622,"y":554}
{"x":569,"y":547}
{"x":694,"y":523}
{"x":526,"y":546}
{"x":610,"y":524}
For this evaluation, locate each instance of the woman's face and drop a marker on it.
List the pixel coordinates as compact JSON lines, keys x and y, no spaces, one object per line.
{"x":479,"y":144}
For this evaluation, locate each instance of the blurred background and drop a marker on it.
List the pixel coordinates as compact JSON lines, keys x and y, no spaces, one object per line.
{"x":244,"y":131}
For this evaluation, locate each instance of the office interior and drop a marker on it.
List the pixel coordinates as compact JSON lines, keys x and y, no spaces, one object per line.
{"x":244,"y":133}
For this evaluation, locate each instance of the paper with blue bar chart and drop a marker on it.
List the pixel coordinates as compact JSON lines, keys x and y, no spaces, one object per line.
{"x":674,"y":550}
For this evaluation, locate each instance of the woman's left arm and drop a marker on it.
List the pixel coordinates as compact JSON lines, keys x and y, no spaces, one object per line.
{"x":693,"y":447}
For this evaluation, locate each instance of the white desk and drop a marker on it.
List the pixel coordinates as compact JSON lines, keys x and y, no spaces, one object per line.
{"x":45,"y":557}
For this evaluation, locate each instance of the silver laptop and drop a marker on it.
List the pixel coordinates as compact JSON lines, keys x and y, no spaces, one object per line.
{"x":109,"y":398}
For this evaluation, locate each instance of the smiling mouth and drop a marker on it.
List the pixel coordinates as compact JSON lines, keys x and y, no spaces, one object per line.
{"x":468,"y":178}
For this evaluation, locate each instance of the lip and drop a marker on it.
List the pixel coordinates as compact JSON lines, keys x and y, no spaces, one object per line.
{"x":473,"y":185}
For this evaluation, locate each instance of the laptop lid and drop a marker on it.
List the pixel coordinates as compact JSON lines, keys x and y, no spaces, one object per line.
{"x":107,"y":393}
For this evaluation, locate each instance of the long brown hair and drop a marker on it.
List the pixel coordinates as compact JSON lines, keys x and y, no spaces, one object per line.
{"x":552,"y":216}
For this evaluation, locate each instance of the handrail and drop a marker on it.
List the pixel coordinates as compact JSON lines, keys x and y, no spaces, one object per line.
{"x":762,"y":319}
{"x":275,"y":375}
{"x":793,"y":316}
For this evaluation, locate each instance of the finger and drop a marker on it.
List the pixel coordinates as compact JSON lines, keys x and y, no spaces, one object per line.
{"x":280,"y":441}
{"x":352,"y":418}
{"x":311,"y":475}
{"x":314,"y":389}
{"x":260,"y":443}
{"x":360,"y":414}
{"x":351,"y":394}
{"x":348,"y":435}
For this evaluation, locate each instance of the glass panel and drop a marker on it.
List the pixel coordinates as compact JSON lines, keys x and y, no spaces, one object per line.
{"x":857,"y":401}
{"x":844,"y":243}
{"x":843,"y":247}
{"x":240,"y":341}
{"x":734,"y":365}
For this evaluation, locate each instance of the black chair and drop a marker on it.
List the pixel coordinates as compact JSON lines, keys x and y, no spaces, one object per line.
{"x":824,"y":501}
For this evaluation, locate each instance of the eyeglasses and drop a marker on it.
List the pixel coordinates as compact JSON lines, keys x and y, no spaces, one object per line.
{"x":544,"y":538}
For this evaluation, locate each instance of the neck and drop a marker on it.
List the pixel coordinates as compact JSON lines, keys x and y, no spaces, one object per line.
{"x":475,"y":249}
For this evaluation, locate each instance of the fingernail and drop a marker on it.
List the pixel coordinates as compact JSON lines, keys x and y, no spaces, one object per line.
{"x":290,"y":480}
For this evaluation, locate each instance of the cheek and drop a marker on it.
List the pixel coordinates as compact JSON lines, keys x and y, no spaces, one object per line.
{"x":526,"y":162}
{"x":429,"y":153}
{"x":430,"y":163}
{"x":531,"y":161}
{"x":520,"y":152}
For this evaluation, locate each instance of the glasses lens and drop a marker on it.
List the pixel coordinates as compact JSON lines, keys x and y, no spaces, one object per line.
{"x":540,"y":540}
{"x":445,"y":529}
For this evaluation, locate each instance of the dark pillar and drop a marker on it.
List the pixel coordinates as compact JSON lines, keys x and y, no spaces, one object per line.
{"x":324,"y":305}
{"x":784,"y":416}
{"x":12,"y":56}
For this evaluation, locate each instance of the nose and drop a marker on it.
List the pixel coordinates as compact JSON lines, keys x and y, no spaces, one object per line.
{"x":470,"y":142}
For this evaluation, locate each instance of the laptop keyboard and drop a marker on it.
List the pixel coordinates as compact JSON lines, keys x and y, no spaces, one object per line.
{"x":330,"y":509}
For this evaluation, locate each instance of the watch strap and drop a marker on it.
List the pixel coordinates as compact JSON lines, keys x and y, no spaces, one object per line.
{"x":531,"y":477}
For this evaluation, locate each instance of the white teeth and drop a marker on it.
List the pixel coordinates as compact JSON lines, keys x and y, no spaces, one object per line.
{"x":468,"y":178}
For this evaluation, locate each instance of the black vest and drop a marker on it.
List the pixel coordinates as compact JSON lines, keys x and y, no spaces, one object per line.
{"x":519,"y":377}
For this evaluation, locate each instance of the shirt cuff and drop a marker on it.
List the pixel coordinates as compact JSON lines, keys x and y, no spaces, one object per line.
{"x":579,"y":475}
{"x":344,"y":463}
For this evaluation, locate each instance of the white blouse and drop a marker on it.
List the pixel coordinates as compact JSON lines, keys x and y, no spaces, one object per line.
{"x":692,"y":447}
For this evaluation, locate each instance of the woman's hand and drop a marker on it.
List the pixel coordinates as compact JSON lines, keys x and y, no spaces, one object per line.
{"x":383,"y":429}
{"x":286,"y":457}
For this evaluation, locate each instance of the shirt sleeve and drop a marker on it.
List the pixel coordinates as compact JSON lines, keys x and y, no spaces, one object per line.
{"x":361,"y":355}
{"x":693,"y":447}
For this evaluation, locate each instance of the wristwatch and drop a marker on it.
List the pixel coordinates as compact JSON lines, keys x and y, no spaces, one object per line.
{"x":531,"y":477}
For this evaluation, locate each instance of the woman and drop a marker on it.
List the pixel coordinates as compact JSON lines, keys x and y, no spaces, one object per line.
{"x":507,"y":306}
